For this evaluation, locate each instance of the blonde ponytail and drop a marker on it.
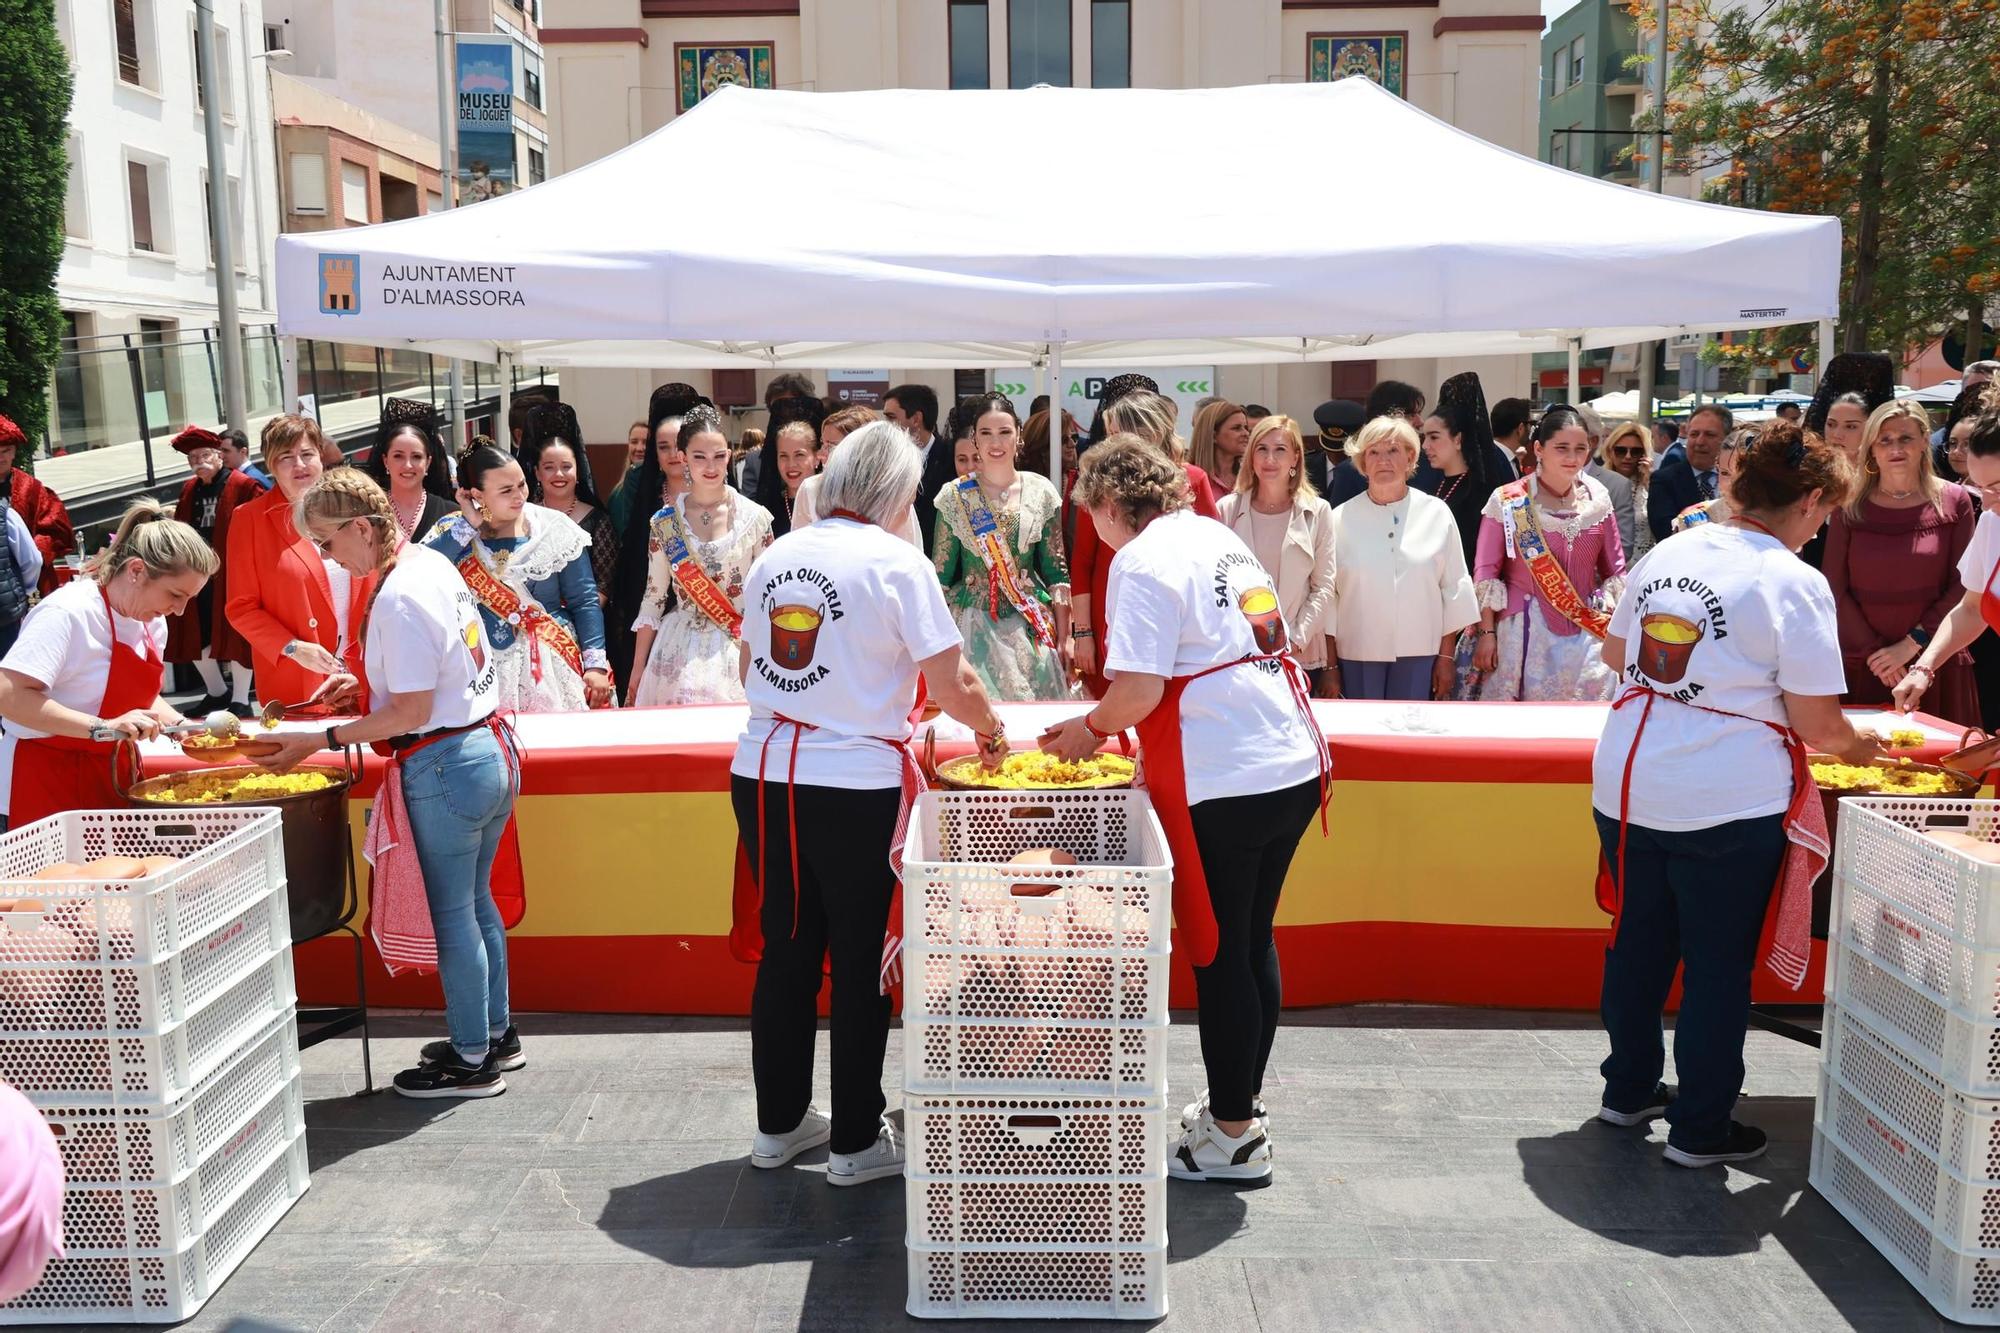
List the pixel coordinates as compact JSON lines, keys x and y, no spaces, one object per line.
{"x":162,"y":544}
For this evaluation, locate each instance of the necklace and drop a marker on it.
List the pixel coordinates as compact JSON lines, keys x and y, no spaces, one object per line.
{"x":1899,"y":495}
{"x":1451,"y":485}
{"x":409,"y":524}
{"x":706,"y":514}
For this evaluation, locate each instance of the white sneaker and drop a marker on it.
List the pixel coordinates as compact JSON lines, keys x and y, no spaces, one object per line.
{"x":774,"y":1150}
{"x":1206,"y":1153}
{"x":1192,"y":1113}
{"x":882,"y":1158}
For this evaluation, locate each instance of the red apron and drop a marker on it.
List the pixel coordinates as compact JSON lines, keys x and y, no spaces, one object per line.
{"x":1989,"y":604}
{"x":57,"y":773}
{"x":1785,"y":944}
{"x":1166,"y":783}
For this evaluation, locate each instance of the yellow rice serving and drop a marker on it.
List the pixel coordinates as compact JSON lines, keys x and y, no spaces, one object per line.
{"x":1905,"y":738}
{"x":1885,"y":778}
{"x":237,"y":789}
{"x":1037,"y":770}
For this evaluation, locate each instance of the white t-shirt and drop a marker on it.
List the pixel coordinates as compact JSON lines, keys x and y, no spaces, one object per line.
{"x":837,"y":616}
{"x":1726,"y":619}
{"x":1175,"y":605}
{"x":425,"y":634}
{"x":1982,"y":553}
{"x":65,"y":644}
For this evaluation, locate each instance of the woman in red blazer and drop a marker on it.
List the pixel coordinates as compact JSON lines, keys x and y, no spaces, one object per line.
{"x":300,"y":614}
{"x":1151,"y":417}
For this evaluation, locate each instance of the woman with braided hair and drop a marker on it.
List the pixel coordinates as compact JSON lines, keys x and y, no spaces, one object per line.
{"x":453,"y":774}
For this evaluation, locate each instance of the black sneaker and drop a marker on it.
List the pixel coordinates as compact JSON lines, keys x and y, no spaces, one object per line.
{"x":452,"y":1077}
{"x":505,"y":1053}
{"x":242,"y":710}
{"x":1742,"y":1143}
{"x":1654,"y":1106}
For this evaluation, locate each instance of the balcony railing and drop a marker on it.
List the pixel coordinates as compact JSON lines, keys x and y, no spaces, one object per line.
{"x":115,"y":402}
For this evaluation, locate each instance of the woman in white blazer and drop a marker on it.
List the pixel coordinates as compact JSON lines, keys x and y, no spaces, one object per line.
{"x":1402,"y":592}
{"x":1281,"y":518}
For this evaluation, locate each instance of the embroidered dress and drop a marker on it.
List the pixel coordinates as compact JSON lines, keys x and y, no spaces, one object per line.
{"x":694,"y":659}
{"x":549,"y":570}
{"x":1544,"y":656}
{"x":1003,"y":648}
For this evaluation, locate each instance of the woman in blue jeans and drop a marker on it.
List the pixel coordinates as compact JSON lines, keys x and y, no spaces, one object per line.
{"x":432,"y":691}
{"x":1729,"y":652}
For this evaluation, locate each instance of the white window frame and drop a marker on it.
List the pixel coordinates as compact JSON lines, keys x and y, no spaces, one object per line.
{"x":159,"y":202}
{"x":347,"y":218}
{"x":78,"y":185}
{"x":146,"y":33}
{"x":234,"y":191}
{"x":225,"y":85}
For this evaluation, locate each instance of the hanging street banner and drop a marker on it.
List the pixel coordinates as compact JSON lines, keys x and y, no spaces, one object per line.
{"x":484,"y":84}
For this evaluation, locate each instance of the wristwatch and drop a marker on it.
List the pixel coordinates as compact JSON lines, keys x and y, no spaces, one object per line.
{"x":331,"y":743}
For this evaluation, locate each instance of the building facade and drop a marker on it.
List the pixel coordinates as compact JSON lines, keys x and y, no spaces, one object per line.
{"x":1591,"y":88}
{"x":622,"y":69}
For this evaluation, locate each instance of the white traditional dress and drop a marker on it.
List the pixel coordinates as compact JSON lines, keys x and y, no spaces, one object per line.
{"x":694,"y":660}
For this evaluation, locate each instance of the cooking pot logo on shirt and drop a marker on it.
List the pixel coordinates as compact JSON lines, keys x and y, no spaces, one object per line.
{"x":794,"y":635}
{"x":799,"y":605}
{"x":474,"y":646}
{"x":1259,"y":606}
{"x":1676,"y":616}
{"x":1665,"y":645}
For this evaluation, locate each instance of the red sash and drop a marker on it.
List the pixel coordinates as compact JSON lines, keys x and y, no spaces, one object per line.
{"x":57,"y":773}
{"x":528,"y":618}
{"x":1003,"y":574}
{"x":1785,"y":944}
{"x":691,"y":578}
{"x":1524,"y":530}
{"x":1160,"y":749}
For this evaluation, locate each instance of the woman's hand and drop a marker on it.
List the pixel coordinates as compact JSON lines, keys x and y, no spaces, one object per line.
{"x":336,"y":691}
{"x":468,"y":505}
{"x":1909,"y":691}
{"x":1486,"y":653}
{"x":1070,"y":741}
{"x":992,"y":747}
{"x":1329,"y":683}
{"x":138,"y":725}
{"x":1888,"y":663}
{"x":313,"y":657}
{"x":1444,"y":677}
{"x":597,"y":688}
{"x":294,"y":748}
{"x":1083,"y":654}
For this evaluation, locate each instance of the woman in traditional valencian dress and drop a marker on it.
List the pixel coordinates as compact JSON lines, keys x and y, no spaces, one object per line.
{"x":999,"y":555}
{"x":1549,"y":568}
{"x":688,"y":633}
{"x":529,"y":569}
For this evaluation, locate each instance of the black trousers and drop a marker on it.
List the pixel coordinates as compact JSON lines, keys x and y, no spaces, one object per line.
{"x":1246,"y":845}
{"x":842,"y":911}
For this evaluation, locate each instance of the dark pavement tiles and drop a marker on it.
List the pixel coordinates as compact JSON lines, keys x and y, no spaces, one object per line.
{"x":1436,"y":1170}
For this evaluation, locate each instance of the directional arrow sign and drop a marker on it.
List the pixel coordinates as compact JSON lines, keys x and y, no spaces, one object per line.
{"x":1011,"y":390}
{"x":1191,"y":386}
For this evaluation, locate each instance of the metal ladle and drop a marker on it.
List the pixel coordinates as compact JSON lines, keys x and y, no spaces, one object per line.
{"x":219,"y":724}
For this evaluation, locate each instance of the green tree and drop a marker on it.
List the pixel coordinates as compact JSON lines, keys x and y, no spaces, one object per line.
{"x":1883,"y":113}
{"x":34,"y":164}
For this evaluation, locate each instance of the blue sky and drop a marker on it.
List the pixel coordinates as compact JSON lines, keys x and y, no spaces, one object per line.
{"x":1551,"y":8}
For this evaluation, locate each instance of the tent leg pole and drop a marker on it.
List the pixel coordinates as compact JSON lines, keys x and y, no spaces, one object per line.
{"x":1575,"y":371}
{"x":1826,"y":350}
{"x":1055,"y":415}
{"x":288,"y":375}
{"x":504,"y":412}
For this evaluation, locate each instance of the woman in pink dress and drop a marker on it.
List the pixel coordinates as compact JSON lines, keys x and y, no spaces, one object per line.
{"x":1548,"y":572}
{"x":1892,"y":560}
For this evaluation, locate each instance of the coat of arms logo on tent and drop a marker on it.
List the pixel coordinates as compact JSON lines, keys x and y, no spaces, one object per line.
{"x":1376,"y":56}
{"x":700,"y":70}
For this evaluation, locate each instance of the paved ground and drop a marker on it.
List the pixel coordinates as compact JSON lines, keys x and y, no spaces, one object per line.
{"x":1436,"y":1170}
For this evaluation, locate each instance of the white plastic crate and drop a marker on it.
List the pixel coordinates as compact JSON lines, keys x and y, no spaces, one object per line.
{"x":230,"y":857}
{"x":1961,"y":1051}
{"x":959,"y":891}
{"x":1036,"y":1138}
{"x":1051,"y":1282}
{"x":118,"y":1070}
{"x":1021,"y":1058}
{"x":1050,"y":985}
{"x":50,"y":984}
{"x":1883,"y":849}
{"x":1935,"y":1149}
{"x":89,"y":1287}
{"x":1962,"y":1287}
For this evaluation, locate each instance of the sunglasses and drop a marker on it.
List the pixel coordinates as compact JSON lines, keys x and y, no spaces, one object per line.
{"x":1629,"y":451}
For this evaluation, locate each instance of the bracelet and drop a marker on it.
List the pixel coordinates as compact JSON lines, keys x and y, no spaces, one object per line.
{"x":1083,"y":634}
{"x":331,"y":742}
{"x":993,"y":740}
{"x":1092,"y":729}
{"x":1486,"y":634}
{"x":1929,"y":675}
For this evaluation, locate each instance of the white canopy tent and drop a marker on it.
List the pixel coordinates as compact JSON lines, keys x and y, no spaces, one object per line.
{"x":892,"y":240}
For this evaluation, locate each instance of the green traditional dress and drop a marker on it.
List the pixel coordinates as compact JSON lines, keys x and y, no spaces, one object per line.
{"x":999,"y":642}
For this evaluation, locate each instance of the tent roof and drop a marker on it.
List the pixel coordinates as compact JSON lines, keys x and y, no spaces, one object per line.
{"x":879,"y":231}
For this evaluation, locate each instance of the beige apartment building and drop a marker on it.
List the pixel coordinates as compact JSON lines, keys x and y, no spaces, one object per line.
{"x":622,"y":69}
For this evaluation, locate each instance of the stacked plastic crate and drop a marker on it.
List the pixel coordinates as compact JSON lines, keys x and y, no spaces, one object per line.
{"x":1906,"y":1141}
{"x":151,"y":1021}
{"x":1034,"y":1022}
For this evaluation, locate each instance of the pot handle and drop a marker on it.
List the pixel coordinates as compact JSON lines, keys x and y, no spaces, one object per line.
{"x":929,"y":764}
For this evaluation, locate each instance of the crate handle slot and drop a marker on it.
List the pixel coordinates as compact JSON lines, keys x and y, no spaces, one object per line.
{"x":1037,"y":1131}
{"x":176,"y":830}
{"x":1044,"y":812}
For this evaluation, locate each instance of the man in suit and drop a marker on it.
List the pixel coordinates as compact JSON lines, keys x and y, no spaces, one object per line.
{"x":1337,"y":419}
{"x":1689,"y":479}
{"x":914,"y":407}
{"x":1619,"y":486}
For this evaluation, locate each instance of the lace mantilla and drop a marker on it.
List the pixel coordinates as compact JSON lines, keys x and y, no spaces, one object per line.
{"x":1593,"y":508}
